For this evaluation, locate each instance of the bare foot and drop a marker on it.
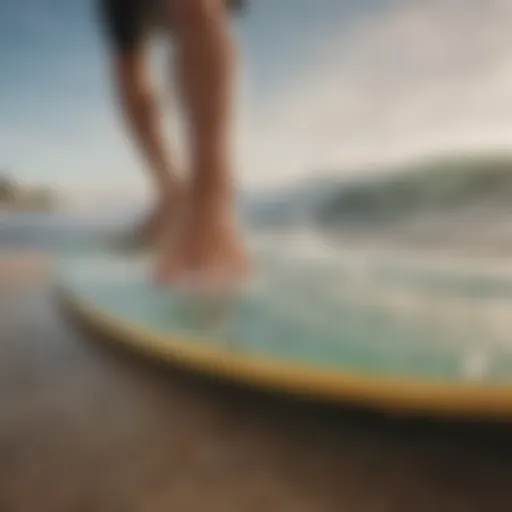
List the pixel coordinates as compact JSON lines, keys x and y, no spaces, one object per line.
{"x":208,"y":249}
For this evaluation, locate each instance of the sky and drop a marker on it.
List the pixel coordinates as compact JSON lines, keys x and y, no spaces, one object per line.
{"x":334,"y":86}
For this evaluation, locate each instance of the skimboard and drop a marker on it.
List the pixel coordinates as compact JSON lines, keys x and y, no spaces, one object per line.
{"x":389,"y":338}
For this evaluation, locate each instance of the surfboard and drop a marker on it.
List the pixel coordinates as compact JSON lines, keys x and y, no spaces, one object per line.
{"x":386,"y":336}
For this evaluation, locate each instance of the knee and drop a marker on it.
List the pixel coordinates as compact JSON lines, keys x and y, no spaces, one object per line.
{"x":190,"y":13}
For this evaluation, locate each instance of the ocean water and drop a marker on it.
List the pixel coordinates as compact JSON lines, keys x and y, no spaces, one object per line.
{"x":454,"y":303}
{"x":50,"y":231}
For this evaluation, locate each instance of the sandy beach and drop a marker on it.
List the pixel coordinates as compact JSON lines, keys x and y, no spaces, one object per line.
{"x":84,"y":427}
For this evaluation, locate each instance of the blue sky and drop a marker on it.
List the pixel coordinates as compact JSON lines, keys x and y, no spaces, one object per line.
{"x":326,"y":84}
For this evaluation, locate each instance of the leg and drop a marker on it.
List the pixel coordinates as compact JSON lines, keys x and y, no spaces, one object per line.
{"x":205,"y":69}
{"x":141,"y":110}
{"x":126,"y":23}
{"x":210,"y":243}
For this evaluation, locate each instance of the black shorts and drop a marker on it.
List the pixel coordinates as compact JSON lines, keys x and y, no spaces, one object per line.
{"x":128,"y":22}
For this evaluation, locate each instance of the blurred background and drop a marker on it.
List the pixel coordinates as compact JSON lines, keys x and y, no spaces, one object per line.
{"x":384,"y":115}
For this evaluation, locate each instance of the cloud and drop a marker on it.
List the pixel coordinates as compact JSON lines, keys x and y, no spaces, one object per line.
{"x":416,"y":78}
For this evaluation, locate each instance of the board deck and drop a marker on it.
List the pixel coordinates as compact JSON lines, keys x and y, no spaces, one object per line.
{"x":389,"y":338}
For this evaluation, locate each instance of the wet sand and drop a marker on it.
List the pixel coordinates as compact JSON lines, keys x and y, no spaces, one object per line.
{"x":86,"y":427}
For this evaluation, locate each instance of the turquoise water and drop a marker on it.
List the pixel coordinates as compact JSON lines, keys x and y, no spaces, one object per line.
{"x":323,"y":311}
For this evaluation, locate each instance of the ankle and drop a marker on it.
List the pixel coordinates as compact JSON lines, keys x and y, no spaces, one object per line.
{"x":211,"y":209}
{"x":170,"y":191}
